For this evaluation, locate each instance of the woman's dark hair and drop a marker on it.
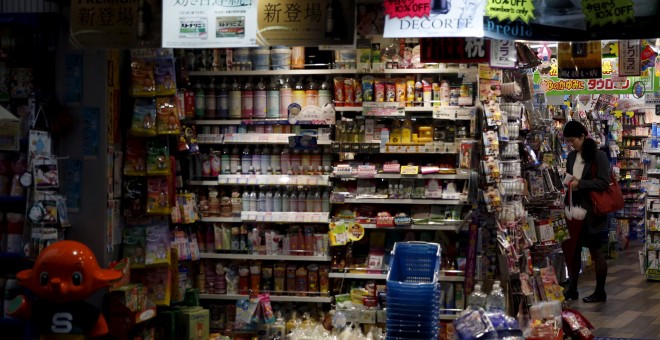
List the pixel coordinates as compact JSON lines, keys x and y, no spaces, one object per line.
{"x":589,"y":147}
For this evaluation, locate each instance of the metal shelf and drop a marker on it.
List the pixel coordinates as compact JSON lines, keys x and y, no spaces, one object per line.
{"x":248,"y":179}
{"x":256,"y":121}
{"x":460,"y":174}
{"x":273,"y":298}
{"x":447,"y":317}
{"x":449,"y":226}
{"x":257,"y":257}
{"x":359,"y":276}
{"x":467,"y":71}
{"x":421,"y":201}
{"x":221,"y":219}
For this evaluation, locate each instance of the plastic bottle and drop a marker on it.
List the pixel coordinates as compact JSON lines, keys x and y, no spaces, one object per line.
{"x":315,"y":162}
{"x":309,"y":202}
{"x":261,"y":201}
{"x":311,"y":93}
{"x":235,"y":101}
{"x":384,"y":137}
{"x":406,"y":132}
{"x":285,"y":162}
{"x":247,"y":101}
{"x":273,"y":100}
{"x":234,"y":161}
{"x":225,"y":161}
{"x":325,"y":94}
{"x":275,"y":162}
{"x":325,"y":201}
{"x":477,"y":298}
{"x":326,"y":159}
{"x":266,"y":168}
{"x":296,"y":160}
{"x":256,"y":161}
{"x":245,"y":199}
{"x":496,"y":300}
{"x":277,"y":201}
{"x":200,"y":100}
{"x":286,"y":94}
{"x":246,"y":160}
{"x":317,"y":202}
{"x":286,"y":206}
{"x":260,"y":100}
{"x":278,"y":329}
{"x":305,"y":162}
{"x":222,"y":100}
{"x":293,"y":202}
{"x":299,"y":93}
{"x":209,"y":104}
{"x":253,"y":200}
{"x":268,"y":205}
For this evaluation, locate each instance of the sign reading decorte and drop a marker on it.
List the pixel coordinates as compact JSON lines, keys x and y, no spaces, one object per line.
{"x":446,"y":18}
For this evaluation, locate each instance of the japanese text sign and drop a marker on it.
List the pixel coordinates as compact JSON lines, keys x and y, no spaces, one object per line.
{"x":409,"y":8}
{"x":445,"y":19}
{"x":603,"y":12}
{"x":454,"y":50}
{"x":579,"y":60}
{"x":503,"y":54}
{"x":629,"y":58}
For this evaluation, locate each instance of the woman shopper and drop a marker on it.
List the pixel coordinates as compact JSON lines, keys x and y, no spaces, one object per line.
{"x":590,"y":169}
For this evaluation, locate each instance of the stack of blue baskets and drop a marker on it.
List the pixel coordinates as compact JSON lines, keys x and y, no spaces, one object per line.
{"x":413,"y":292}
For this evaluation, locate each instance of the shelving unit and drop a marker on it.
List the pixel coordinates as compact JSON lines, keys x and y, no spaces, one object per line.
{"x":273,"y":298}
{"x":472,"y":71}
{"x":258,"y":257}
{"x":420,"y":201}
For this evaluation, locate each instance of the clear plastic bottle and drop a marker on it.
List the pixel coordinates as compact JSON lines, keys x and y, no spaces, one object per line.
{"x":253,"y":200}
{"x":496,"y":301}
{"x":325,"y":201}
{"x":293,"y":202}
{"x":312,"y":93}
{"x":235,"y":101}
{"x":209,"y":103}
{"x":225,"y":162}
{"x":296,"y":162}
{"x":234,"y":161}
{"x":299,"y":93}
{"x":477,"y":298}
{"x":285,"y":161}
{"x":261,"y":201}
{"x":268,"y":205}
{"x":260,"y":100}
{"x":275,"y":161}
{"x":266,"y":168}
{"x":326,"y":159}
{"x":309,"y":202}
{"x":305,"y":162}
{"x":247,"y":101}
{"x":246,"y":160}
{"x":315,"y":162}
{"x":222,"y":100}
{"x":325,"y":94}
{"x":200,"y":100}
{"x":317,"y":202}
{"x":286,"y":206}
{"x":256,"y":161}
{"x":245,"y":199}
{"x":277,"y":201}
{"x":273,"y":100}
{"x":286,"y":94}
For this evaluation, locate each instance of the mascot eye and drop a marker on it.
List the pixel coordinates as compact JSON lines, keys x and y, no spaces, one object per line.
{"x":77,"y":278}
{"x":43,"y":278}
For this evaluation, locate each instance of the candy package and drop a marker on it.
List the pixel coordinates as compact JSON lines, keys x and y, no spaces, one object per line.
{"x":135,"y":157}
{"x":142,"y":73}
{"x":158,"y":162}
{"x":167,"y":121}
{"x":473,"y":324}
{"x":134,"y":245}
{"x":164,"y":73}
{"x":144,"y":118}
{"x":135,"y":196}
{"x":158,"y":244}
{"x":158,"y":197}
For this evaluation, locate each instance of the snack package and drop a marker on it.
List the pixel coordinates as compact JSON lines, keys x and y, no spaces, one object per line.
{"x":368,"y":88}
{"x":158,"y":244}
{"x":164,"y":73}
{"x":167,"y":120}
{"x":158,"y":197}
{"x":135,"y":196}
{"x":159,"y":286}
{"x":135,"y":157}
{"x":158,"y":155}
{"x":340,"y":97}
{"x":473,"y":324}
{"x":576,"y":325}
{"x":134,"y":245}
{"x":144,"y":118}
{"x":142,"y":73}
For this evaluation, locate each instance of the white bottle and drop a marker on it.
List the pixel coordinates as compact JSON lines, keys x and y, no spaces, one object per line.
{"x":277,"y":201}
{"x":261,"y":201}
{"x":245,"y":199}
{"x":285,"y":201}
{"x":384,"y":137}
{"x":253,"y":200}
{"x":325,"y":201}
{"x":269,"y":201}
{"x":478,"y":298}
{"x":496,"y":300}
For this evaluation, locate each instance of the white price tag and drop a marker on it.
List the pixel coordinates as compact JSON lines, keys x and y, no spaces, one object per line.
{"x":252,"y":180}
{"x":289,"y":217}
{"x":242,"y":180}
{"x":316,"y":218}
{"x":312,"y":180}
{"x":223,"y":179}
{"x":299,"y":217}
{"x":244,"y":216}
{"x":252,"y":216}
{"x":307,"y":217}
{"x":268,"y":217}
{"x":260,"y":216}
{"x":233,"y":180}
{"x":323,"y":180}
{"x":277,"y":217}
{"x":262,"y":138}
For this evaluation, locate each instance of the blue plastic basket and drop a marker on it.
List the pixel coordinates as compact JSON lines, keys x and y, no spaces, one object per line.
{"x":414,"y":262}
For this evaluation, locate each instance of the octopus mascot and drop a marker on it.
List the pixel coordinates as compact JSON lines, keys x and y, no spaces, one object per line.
{"x":64,"y":275}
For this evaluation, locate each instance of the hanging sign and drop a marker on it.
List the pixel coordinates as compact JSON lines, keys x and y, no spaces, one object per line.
{"x":503,"y":54}
{"x":445,"y":19}
{"x":220,"y":23}
{"x":454,"y":50}
{"x":306,"y":22}
{"x":579,"y":60}
{"x":629,"y":58}
{"x":411,"y":8}
{"x":603,"y":12}
{"x":511,"y":10}
{"x":104,"y":24}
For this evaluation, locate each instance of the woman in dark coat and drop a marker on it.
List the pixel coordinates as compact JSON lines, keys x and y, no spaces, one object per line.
{"x":591,"y":171}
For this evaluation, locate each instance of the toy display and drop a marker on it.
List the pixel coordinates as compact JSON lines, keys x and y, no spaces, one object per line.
{"x":64,"y":275}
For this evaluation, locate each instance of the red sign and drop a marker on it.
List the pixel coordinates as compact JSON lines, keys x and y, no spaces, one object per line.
{"x":407,"y":8}
{"x":454,"y":50}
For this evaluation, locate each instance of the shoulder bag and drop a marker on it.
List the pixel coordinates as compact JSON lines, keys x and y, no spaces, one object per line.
{"x":608,"y":200}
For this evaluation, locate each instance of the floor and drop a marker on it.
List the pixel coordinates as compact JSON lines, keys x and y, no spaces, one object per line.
{"x":632,"y":309}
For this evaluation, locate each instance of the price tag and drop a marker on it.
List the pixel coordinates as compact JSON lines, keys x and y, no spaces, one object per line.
{"x":233,"y":179}
{"x":262,"y":138}
{"x":307,"y":217}
{"x":268,"y":217}
{"x":222,"y":179}
{"x":244,"y":215}
{"x":289,"y":217}
{"x":268,"y":179}
{"x":323,"y":180}
{"x":443,"y":113}
{"x":313,"y":180}
{"x":316,"y":218}
{"x":252,"y":180}
{"x":252,"y":216}
{"x":343,"y":170}
{"x":409,"y":170}
{"x":366,"y":171}
{"x":242,"y":180}
{"x":229,"y":137}
{"x":300,"y":217}
{"x":260,"y":216}
{"x":277,"y":217}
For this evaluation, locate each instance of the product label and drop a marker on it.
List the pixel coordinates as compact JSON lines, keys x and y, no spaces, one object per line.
{"x":603,"y":12}
{"x":407,"y":8}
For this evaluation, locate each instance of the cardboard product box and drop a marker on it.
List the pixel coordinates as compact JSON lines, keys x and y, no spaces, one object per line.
{"x":195,"y":323}
{"x":10,"y":131}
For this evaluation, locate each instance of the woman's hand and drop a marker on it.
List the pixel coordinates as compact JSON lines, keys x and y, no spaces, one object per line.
{"x":574,"y":184}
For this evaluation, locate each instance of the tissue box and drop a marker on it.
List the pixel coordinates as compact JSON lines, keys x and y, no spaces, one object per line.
{"x":195,"y":323}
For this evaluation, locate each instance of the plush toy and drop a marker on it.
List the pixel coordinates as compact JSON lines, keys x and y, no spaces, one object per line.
{"x":64,"y":275}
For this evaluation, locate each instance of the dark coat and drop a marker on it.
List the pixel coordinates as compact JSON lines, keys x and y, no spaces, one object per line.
{"x":588,"y":183}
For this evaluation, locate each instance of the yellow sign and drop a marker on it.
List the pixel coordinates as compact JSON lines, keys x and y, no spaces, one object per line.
{"x":604,"y":12}
{"x":305,"y":22}
{"x":511,"y":10}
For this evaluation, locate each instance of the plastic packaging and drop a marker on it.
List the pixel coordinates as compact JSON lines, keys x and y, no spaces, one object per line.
{"x":496,"y":300}
{"x":478,"y":298}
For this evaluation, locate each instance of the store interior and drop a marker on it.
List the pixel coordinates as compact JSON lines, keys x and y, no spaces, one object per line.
{"x":350,"y":181}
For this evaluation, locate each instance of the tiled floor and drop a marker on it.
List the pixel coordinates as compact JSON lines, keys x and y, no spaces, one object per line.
{"x":632,"y":309}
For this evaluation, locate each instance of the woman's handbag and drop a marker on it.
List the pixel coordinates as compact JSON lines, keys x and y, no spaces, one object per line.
{"x":608,"y":200}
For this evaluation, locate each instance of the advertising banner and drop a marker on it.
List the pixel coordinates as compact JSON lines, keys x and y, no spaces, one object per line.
{"x":220,"y":23}
{"x":306,"y":22}
{"x":445,"y":18}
